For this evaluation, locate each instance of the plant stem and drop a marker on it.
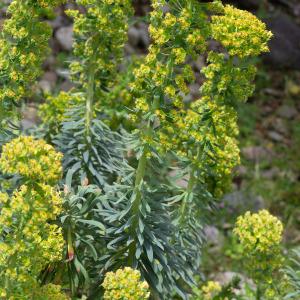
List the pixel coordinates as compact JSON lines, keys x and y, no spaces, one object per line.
{"x":258,"y":293}
{"x":190,"y":187}
{"x":140,"y":173}
{"x":137,"y":194}
{"x":90,"y":100}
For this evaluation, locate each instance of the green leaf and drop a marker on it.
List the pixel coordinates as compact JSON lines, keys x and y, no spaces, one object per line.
{"x":94,"y":223}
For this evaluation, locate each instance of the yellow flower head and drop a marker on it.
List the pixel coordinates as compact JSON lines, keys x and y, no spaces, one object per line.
{"x":21,"y":65}
{"x":32,"y":159}
{"x":52,"y":112}
{"x":240,"y":32}
{"x":32,"y":241}
{"x":125,"y":284}
{"x":259,"y":232}
{"x":50,"y":292}
{"x":211,"y":289}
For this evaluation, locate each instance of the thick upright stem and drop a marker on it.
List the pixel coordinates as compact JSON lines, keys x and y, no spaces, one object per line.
{"x":258,"y":293}
{"x":137,"y":193}
{"x":90,"y":100}
{"x":140,"y":173}
{"x":190,"y":187}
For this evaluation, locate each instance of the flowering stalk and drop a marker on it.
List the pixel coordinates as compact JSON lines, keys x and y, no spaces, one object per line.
{"x":125,"y":283}
{"x":136,"y":202}
{"x":190,"y":187}
{"x":23,"y":47}
{"x":202,"y":135}
{"x":30,"y":239}
{"x":89,"y":100}
{"x":100,"y":33}
{"x":260,"y":235}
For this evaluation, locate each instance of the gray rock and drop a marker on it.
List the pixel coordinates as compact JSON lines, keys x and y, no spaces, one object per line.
{"x":284,"y":46}
{"x":66,"y":86}
{"x":287,"y":112}
{"x":273,"y":92}
{"x":129,"y":50}
{"x":280,"y":126}
{"x":227,"y":277}
{"x":45,"y":86}
{"x":256,"y":153}
{"x":271,"y":173}
{"x":241,"y":170}
{"x":49,"y":63}
{"x":64,"y":36}
{"x":199,"y":63}
{"x":133,"y":36}
{"x":50,"y":76}
{"x":27,"y":124}
{"x":48,"y":81}
{"x":213,"y":236}
{"x":59,"y":21}
{"x":238,"y":201}
{"x":194,"y":90}
{"x":296,"y":10}
{"x":29,"y":117}
{"x":138,"y":36}
{"x":275,"y":136}
{"x":144,"y":34}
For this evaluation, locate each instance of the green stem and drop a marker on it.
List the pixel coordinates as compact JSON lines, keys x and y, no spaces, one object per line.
{"x":258,"y":293}
{"x":90,"y":100}
{"x":137,"y":193}
{"x":140,"y":173}
{"x":190,"y":187}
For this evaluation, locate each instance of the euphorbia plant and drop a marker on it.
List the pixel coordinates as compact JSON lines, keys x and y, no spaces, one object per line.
{"x":130,"y":210}
{"x":30,"y":239}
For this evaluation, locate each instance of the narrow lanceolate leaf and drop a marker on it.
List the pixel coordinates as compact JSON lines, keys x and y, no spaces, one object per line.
{"x":94,"y":223}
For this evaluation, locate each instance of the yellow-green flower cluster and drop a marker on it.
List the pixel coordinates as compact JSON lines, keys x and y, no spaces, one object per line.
{"x":35,"y":292}
{"x":211,"y":289}
{"x":119,"y":97}
{"x":204,"y":132}
{"x":30,"y":238}
{"x":260,"y":235}
{"x":49,"y":292}
{"x":162,"y":80}
{"x":33,"y":159}
{"x":209,"y":125}
{"x":23,"y":47}
{"x":225,"y":85}
{"x":125,"y":284}
{"x":40,"y":207}
{"x":29,"y":241}
{"x":227,"y":82}
{"x":100,"y":35}
{"x":259,"y":232}
{"x":240,"y":32}
{"x":52,"y":112}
